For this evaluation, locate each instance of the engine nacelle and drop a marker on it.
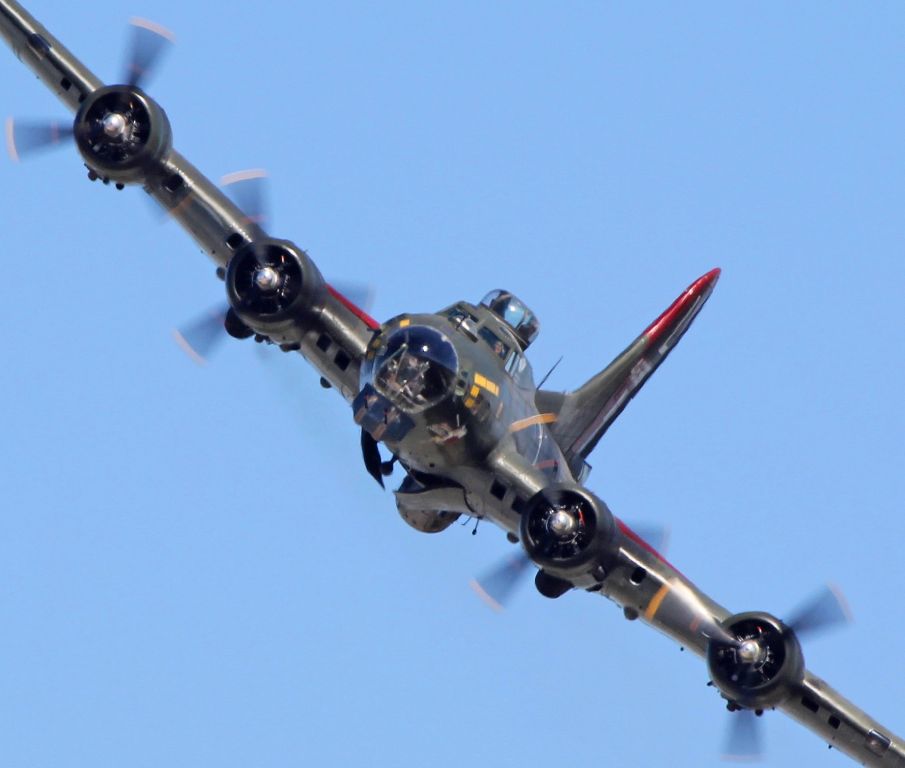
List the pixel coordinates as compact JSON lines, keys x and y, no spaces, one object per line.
{"x":272,"y":286}
{"x":122,"y":133}
{"x":567,"y":531}
{"x":759,"y":671}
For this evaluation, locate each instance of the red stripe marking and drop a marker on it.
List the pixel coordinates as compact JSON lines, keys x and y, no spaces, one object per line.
{"x":355,"y":310}
{"x":630,"y":534}
{"x":703,"y":285}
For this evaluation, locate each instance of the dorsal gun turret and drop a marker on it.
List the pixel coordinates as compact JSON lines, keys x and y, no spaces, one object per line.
{"x":512,"y":311}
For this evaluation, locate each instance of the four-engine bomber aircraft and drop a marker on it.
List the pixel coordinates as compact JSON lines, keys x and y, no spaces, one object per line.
{"x":452,"y":398}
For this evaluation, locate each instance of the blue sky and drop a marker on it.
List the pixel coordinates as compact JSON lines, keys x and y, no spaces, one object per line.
{"x":194,"y":569}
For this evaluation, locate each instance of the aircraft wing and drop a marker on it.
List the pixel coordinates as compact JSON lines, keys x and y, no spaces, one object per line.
{"x":335,"y":341}
{"x":338,"y":333}
{"x":820,"y":708}
{"x":583,"y":416}
{"x":650,"y":589}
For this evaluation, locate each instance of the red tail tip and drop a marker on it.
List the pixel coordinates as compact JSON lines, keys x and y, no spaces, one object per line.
{"x":705,"y":282}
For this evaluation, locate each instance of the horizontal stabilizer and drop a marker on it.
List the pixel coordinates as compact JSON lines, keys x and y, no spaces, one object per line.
{"x":583,"y":416}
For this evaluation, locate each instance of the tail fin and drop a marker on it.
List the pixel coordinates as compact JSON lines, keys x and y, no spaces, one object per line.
{"x":585,"y":414}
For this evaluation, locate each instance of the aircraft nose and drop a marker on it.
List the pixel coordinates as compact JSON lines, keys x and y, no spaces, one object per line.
{"x":415,"y":368}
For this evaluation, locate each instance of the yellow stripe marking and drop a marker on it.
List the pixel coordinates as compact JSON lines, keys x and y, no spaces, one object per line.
{"x":654,"y":604}
{"x":487,"y":384}
{"x":405,"y":323}
{"x":475,"y":391}
{"x":540,"y":418}
{"x":469,"y":403}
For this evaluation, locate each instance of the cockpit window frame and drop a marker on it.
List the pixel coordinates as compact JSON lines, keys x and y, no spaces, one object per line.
{"x":490,"y":336}
{"x":463,"y":321}
{"x":514,"y":313}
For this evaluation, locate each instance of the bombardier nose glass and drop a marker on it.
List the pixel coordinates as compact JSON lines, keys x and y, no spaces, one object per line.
{"x":416,"y":369}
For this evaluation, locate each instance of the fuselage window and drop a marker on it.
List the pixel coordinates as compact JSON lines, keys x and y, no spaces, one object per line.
{"x":515,"y":365}
{"x":458,"y":314}
{"x":495,"y":342}
{"x":463,"y":321}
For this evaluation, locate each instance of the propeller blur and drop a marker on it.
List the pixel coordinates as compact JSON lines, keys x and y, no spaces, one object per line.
{"x":450,"y":397}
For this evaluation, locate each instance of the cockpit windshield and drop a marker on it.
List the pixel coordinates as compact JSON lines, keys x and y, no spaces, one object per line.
{"x":511,"y":310}
{"x":415,"y":369}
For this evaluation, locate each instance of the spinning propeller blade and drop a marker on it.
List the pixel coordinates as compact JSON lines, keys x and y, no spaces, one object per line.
{"x":201,"y":336}
{"x":498,"y":584}
{"x":149,"y":42}
{"x":360,"y":294}
{"x":248,"y":189}
{"x":743,"y":738}
{"x":25,"y":138}
{"x":657,"y":536}
{"x":826,"y":609}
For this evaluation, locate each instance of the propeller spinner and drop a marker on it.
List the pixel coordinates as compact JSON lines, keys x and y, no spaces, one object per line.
{"x":117,"y":123}
{"x":757,"y":670}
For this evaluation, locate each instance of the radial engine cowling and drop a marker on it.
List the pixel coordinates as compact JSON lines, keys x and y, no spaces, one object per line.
{"x":272,"y":286}
{"x":122,"y":133}
{"x":566,"y":531}
{"x":759,"y":671}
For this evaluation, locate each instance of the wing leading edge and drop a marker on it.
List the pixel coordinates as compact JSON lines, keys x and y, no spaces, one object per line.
{"x":338,"y":338}
{"x":826,"y":712}
{"x":337,"y":335}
